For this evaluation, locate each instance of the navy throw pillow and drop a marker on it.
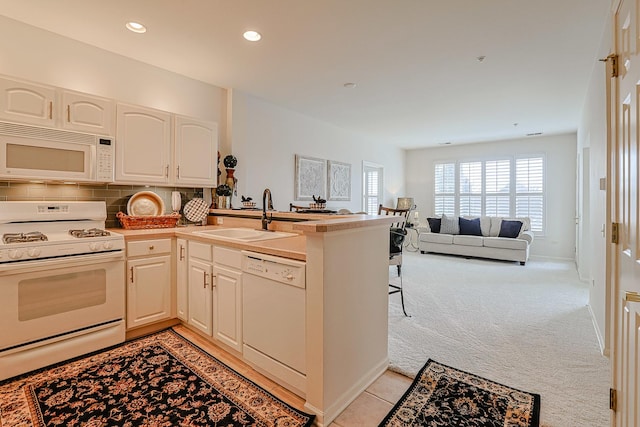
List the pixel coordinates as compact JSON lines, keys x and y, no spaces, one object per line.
{"x":434,"y":224}
{"x":510,"y":228}
{"x":470,"y":227}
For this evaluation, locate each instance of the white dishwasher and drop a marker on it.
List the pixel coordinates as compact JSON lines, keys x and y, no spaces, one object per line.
{"x":273,"y":317}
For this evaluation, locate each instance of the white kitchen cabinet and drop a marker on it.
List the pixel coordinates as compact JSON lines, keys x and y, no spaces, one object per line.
{"x":87,"y":113}
{"x":27,"y":102}
{"x":182,"y":280}
{"x":148,"y":281}
{"x":200,"y":293}
{"x":195,"y":152}
{"x":143,"y":149}
{"x":227,"y":297}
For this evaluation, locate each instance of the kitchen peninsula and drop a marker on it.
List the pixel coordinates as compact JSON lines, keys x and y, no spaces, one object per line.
{"x":346,"y":298}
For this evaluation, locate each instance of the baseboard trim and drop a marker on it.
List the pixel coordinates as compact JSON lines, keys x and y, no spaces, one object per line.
{"x":603,"y":350}
{"x":324,"y":418}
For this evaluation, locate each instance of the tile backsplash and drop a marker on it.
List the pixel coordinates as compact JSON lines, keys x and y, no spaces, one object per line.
{"x":115,"y":196}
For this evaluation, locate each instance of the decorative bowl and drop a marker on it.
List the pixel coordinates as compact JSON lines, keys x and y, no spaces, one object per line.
{"x":249,"y":204}
{"x":317,"y":205}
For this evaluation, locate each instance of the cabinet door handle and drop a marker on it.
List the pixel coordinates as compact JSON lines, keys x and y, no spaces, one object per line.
{"x":181,"y":252}
{"x":213,"y":283}
{"x":50,"y":110}
{"x":151,"y":247}
{"x":631,"y":296}
{"x":131,"y":274}
{"x":69,"y":113}
{"x":205,"y":279}
{"x":166,"y":172}
{"x":178,"y":171}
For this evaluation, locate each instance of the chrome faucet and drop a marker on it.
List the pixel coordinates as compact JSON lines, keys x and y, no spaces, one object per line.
{"x":265,"y":221}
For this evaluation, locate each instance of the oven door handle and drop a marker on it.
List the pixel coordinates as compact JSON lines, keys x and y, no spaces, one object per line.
{"x":10,"y":268}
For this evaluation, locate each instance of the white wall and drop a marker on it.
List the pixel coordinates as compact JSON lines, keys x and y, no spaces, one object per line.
{"x":592,"y":135}
{"x":265,"y":139}
{"x":560,"y":157}
{"x":41,"y":56}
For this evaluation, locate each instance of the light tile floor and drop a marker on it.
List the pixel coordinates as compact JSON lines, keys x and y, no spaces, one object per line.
{"x":366,"y":411}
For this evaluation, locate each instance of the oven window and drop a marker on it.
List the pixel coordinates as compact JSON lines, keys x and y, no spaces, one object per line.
{"x":43,"y":158}
{"x":46,"y":296}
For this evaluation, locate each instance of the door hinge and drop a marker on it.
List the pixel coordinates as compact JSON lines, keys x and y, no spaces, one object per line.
{"x":615,"y":232}
{"x":613,"y":58}
{"x":613,"y":399}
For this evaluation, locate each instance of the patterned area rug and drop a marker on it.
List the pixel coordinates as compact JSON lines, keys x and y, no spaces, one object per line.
{"x":158,"y":380}
{"x":444,"y":396}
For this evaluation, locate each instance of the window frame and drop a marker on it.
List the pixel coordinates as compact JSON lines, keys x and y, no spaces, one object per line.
{"x":538,"y":227}
{"x":368,"y":167}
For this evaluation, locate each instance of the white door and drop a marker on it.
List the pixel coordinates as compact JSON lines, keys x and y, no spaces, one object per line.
{"x":87,"y":113}
{"x":196,"y":151}
{"x":227,"y":303}
{"x":27,"y":102}
{"x":143,"y":145}
{"x":200,"y":296}
{"x":148,"y":290}
{"x":625,"y":199}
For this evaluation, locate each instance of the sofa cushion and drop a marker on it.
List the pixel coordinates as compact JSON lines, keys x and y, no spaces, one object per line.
{"x":510,"y":228}
{"x":470,"y":227}
{"x":434,"y":224}
{"x":467,"y":240}
{"x":449,"y":225}
{"x":504,"y":243}
{"x":436,"y":238}
{"x":494,"y":230}
{"x":485,"y":225}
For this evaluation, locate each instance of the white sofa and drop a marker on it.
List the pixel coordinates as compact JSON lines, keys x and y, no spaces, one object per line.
{"x":487,"y":245}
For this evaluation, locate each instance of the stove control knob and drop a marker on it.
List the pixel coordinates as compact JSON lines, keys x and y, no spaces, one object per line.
{"x":15,"y":254}
{"x":93,"y":246}
{"x":107,"y":245}
{"x":33,"y":252}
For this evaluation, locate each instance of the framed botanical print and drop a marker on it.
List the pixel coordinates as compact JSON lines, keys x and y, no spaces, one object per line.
{"x":339,"y":180}
{"x":310,"y":180}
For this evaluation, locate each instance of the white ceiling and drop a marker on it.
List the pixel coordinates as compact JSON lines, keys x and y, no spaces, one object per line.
{"x":419,"y":82}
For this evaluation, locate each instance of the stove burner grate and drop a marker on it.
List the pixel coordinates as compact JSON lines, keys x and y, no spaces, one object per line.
{"x":92,"y":232}
{"x":34,"y":236}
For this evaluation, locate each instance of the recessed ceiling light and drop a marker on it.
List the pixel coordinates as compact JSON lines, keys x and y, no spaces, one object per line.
{"x":136,"y":27}
{"x":349,"y":85}
{"x":252,"y":36}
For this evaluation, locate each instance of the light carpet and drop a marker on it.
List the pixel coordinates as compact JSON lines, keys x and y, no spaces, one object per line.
{"x":525,"y":326}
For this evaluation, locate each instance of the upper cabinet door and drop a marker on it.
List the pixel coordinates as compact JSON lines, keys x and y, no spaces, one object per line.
{"x":27,"y":102}
{"x":196,"y":152}
{"x":143,"y":145}
{"x":87,"y":113}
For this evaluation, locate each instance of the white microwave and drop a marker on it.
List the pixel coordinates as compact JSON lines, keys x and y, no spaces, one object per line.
{"x":35,"y":153}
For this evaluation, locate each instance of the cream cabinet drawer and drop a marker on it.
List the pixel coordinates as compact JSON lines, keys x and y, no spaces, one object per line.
{"x":148,"y":247}
{"x":228,"y":257}
{"x":201,"y":251}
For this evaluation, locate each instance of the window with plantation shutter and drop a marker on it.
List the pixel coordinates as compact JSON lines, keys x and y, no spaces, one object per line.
{"x":445,"y":188}
{"x":530,"y":191}
{"x":502,"y":187}
{"x":471,"y":188}
{"x":497,"y":187}
{"x":372,"y":191}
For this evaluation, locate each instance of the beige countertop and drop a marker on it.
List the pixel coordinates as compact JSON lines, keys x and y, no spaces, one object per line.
{"x":312,"y":222}
{"x":287,"y":247}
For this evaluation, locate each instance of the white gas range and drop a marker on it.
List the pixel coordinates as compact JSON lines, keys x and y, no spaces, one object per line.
{"x":62,"y":285}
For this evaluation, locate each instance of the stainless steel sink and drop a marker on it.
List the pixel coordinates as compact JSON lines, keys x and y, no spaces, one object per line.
{"x":243,"y":234}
